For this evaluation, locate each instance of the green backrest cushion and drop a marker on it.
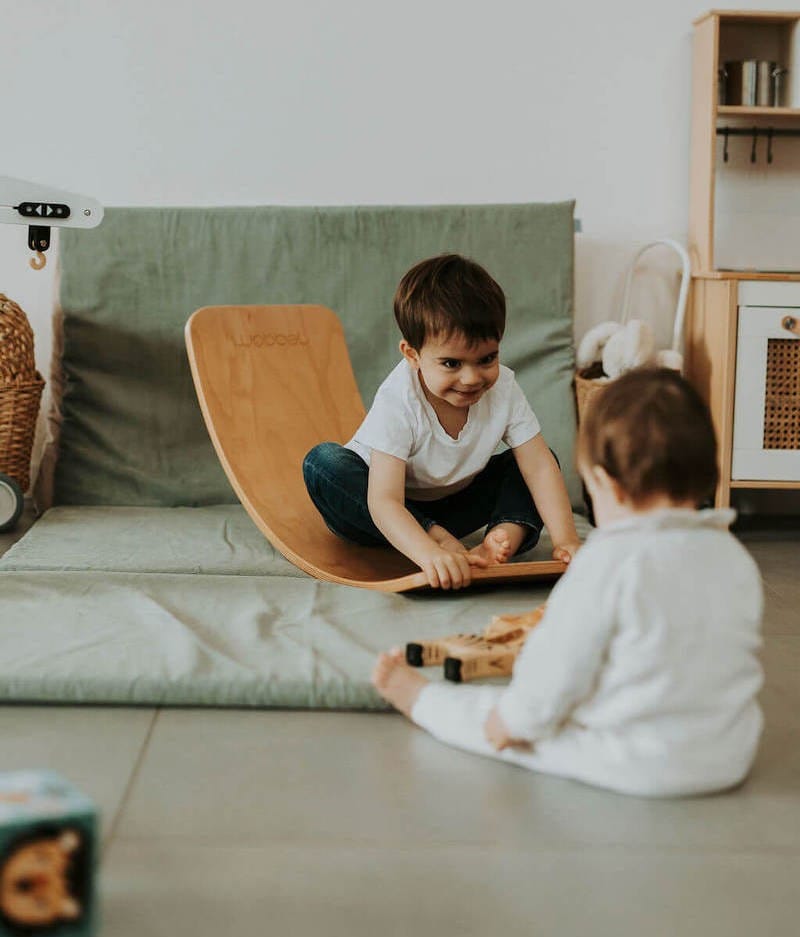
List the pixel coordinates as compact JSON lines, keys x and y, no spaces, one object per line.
{"x":132,"y":432}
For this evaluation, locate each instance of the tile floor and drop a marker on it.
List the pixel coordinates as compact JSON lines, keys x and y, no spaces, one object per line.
{"x":319,"y":823}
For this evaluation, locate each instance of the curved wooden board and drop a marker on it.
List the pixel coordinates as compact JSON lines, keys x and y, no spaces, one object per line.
{"x":273,"y":381}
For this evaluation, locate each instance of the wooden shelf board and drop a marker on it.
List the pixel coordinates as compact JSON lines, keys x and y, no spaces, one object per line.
{"x":745,"y":275}
{"x":751,"y":16}
{"x":745,"y":483}
{"x":736,"y":110}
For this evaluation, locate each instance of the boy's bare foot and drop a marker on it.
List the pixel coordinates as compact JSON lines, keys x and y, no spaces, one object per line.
{"x":500,"y":544}
{"x":452,"y":544}
{"x":396,"y":682}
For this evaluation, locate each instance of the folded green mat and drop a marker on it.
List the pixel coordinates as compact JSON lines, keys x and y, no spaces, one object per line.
{"x":149,"y":584}
{"x":136,"y":638}
{"x":217,"y":540}
{"x":191,"y":606}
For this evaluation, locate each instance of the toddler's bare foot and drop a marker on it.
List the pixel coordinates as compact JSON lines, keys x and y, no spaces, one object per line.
{"x":496,"y":546}
{"x":397,"y":683}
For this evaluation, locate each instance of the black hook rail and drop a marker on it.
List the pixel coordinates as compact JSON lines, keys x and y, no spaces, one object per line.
{"x":755,"y":133}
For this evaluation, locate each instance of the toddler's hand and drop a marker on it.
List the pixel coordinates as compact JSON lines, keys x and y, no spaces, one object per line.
{"x":566,"y":551}
{"x":497,"y":734}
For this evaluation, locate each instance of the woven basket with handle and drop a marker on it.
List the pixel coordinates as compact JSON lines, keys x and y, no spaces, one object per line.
{"x":588,"y":383}
{"x":20,"y":392}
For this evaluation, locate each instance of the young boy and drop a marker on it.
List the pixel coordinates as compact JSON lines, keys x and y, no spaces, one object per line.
{"x":642,"y":675}
{"x":421,"y":471}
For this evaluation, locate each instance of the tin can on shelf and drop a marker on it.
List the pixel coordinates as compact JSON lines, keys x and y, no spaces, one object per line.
{"x":751,"y":83}
{"x":741,"y":83}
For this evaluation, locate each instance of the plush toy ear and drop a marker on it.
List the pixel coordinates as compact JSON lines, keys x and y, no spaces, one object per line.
{"x":632,"y":346}
{"x":669,"y":359}
{"x":591,"y":345}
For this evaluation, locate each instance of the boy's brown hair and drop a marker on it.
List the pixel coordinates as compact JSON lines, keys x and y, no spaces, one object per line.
{"x":652,"y":432}
{"x":449,"y":294}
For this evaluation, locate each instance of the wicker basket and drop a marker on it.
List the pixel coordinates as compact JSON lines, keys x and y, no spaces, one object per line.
{"x":589,"y":382}
{"x":20,"y":392}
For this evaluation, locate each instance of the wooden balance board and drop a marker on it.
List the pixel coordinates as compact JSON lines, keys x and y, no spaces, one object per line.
{"x":273,"y":381}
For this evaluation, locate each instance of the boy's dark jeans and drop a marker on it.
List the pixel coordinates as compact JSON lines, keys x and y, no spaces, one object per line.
{"x":336,"y":479}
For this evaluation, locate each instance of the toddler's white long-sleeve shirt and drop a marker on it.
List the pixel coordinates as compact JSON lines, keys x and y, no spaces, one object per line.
{"x":642,"y":676}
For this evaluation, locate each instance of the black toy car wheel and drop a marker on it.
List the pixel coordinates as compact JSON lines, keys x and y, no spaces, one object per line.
{"x":11,"y":503}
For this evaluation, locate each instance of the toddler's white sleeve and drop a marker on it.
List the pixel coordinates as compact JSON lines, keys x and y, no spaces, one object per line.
{"x":522,"y":421}
{"x":561,"y":660}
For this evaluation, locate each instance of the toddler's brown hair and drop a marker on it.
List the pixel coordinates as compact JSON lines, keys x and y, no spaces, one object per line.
{"x":652,"y":432}
{"x":449,"y":294}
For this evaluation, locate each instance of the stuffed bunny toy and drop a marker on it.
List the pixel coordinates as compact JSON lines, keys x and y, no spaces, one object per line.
{"x":619,"y":347}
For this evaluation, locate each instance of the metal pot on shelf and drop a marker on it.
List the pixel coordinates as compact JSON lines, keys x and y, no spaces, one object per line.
{"x":751,"y":83}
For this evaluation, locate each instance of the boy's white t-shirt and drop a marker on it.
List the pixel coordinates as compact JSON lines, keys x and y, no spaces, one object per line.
{"x":401,"y":422}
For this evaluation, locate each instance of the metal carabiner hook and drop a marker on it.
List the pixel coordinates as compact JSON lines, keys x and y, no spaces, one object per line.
{"x":753,"y":148}
{"x":38,"y":261}
{"x":725,"y":147}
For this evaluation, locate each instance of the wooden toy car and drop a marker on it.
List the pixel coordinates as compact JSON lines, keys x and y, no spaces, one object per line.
{"x":469,"y":656}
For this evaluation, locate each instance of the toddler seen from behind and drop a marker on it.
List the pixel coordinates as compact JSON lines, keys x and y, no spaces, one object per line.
{"x":642,"y":675}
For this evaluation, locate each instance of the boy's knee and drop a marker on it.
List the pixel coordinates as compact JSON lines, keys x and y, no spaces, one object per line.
{"x":323,"y":454}
{"x":331,"y":463}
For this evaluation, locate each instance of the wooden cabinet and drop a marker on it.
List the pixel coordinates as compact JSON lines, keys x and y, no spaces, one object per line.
{"x":735,"y":326}
{"x":728,"y":348}
{"x":719,"y":39}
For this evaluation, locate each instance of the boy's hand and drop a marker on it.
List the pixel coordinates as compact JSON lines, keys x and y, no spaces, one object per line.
{"x":448,"y":569}
{"x":566,"y":551}
{"x":546,"y":484}
{"x":497,"y":734}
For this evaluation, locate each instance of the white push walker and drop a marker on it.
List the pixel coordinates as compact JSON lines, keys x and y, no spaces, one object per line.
{"x":683,"y":294}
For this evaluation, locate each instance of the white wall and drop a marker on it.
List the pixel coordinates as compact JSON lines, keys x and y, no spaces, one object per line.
{"x":357,"y":102}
